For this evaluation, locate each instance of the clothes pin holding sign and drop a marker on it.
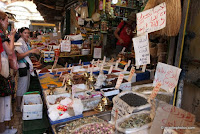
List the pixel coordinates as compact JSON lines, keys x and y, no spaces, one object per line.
{"x":73,"y":91}
{"x":92,"y":61}
{"x":126,"y":67}
{"x":66,"y":65}
{"x":144,"y":68}
{"x":116,"y":64}
{"x":123,"y":50}
{"x":131,"y":74}
{"x":129,"y":63}
{"x":119,"y":81}
{"x":155,"y":91}
{"x":104,"y":60}
{"x":80,"y":61}
{"x":110,"y":70}
{"x":64,"y":81}
{"x":98,"y":63}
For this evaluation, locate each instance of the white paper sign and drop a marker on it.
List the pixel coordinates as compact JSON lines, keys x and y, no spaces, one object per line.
{"x":167,"y":75}
{"x":65,"y":46}
{"x":97,"y":53}
{"x":80,"y":21}
{"x":151,"y":20}
{"x":141,"y":47}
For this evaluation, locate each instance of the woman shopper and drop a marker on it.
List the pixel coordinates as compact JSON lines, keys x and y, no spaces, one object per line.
{"x":6,"y":49}
{"x":25,"y":65}
{"x":124,"y":33}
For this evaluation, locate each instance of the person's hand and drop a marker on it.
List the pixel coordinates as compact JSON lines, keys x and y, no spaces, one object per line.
{"x":35,"y":51}
{"x":12,"y":32}
{"x":121,"y":41}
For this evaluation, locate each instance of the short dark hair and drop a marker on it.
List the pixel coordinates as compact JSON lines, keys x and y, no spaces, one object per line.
{"x":23,"y":28}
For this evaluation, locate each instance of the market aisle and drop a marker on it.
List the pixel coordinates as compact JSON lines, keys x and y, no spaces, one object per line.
{"x":16,"y":121}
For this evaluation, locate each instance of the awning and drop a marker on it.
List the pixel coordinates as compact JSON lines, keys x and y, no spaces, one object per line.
{"x":43,"y":24}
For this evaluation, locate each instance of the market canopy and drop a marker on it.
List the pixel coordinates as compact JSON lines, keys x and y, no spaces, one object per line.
{"x":53,"y":10}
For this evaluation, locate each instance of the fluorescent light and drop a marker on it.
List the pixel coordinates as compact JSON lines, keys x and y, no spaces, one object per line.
{"x":114,"y":1}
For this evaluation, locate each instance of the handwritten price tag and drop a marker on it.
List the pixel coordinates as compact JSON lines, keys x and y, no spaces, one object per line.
{"x":131,"y":74}
{"x":141,"y":47}
{"x":155,"y":91}
{"x":171,"y":116}
{"x":167,"y":75}
{"x":151,"y":20}
{"x":110,"y":70}
{"x":119,"y":81}
{"x":125,"y":68}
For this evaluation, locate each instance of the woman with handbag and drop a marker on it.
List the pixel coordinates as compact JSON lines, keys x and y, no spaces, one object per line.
{"x":25,"y":64}
{"x":6,"y":49}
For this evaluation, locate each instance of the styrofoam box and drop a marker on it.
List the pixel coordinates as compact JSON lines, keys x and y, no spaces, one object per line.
{"x":110,"y":93}
{"x":32,"y":112}
{"x":85,"y":51}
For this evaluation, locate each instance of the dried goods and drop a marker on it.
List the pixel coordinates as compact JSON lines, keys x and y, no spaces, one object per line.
{"x":95,"y":128}
{"x":111,"y":76}
{"x":136,"y":121}
{"x":163,"y":97}
{"x":142,"y":89}
{"x":44,"y":70}
{"x":133,"y":99}
{"x":59,"y":99}
{"x":108,"y":90}
{"x":69,"y":127}
{"x":79,"y":79}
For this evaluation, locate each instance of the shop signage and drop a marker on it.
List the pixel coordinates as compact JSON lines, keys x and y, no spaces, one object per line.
{"x":168,"y":116}
{"x":65,"y":45}
{"x":97,"y":53}
{"x":167,"y":75}
{"x":151,"y":20}
{"x":141,"y":47}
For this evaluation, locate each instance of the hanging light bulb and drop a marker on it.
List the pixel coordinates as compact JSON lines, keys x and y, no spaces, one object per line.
{"x":114,"y":1}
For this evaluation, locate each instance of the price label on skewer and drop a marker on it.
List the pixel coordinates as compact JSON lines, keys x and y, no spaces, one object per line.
{"x":73,"y":91}
{"x":119,"y":81}
{"x":126,"y":67}
{"x":129,"y":63}
{"x":92,"y":61}
{"x":144,"y":68}
{"x":63,"y":81}
{"x":112,"y":60}
{"x":116,"y":64}
{"x":110,"y":70}
{"x":119,"y":60}
{"x":60,"y":74}
{"x":131,"y":74}
{"x":98,"y":63}
{"x":104,"y":60}
{"x":123,"y":50}
{"x":155,"y":91}
{"x":80,"y":61}
{"x":66,"y":65}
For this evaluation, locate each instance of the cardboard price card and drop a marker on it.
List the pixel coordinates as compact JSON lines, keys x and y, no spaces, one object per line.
{"x":151,"y":20}
{"x":169,"y":116}
{"x":167,"y":75}
{"x":155,"y":91}
{"x":131,"y":74}
{"x":141,"y":48}
{"x":119,"y":81}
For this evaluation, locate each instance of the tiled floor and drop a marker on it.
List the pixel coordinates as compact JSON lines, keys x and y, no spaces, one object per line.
{"x":16,"y":121}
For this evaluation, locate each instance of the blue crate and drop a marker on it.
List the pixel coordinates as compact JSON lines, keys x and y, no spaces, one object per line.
{"x":97,"y":72}
{"x":143,"y":76}
{"x":77,"y":42}
{"x":66,"y":119}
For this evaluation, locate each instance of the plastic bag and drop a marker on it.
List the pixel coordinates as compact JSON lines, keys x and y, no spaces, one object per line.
{"x":13,"y":61}
{"x":5,"y":65}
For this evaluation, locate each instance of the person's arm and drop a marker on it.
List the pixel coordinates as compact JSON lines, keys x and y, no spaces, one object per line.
{"x":9,"y":46}
{"x":22,"y":55}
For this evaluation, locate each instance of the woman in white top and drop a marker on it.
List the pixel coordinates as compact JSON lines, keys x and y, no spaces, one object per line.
{"x":25,"y":64}
{"x":6,"y":49}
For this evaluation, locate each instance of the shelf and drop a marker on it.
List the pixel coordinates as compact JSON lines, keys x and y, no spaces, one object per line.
{"x":127,"y":7}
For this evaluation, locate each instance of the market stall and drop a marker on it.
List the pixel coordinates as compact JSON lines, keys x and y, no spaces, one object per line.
{"x":131,"y":93}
